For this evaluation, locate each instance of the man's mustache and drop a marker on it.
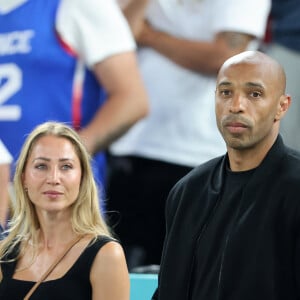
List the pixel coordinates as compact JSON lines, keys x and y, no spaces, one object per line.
{"x":233,"y":119}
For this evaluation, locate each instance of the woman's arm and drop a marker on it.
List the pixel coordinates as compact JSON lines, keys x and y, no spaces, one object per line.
{"x":109,"y":275}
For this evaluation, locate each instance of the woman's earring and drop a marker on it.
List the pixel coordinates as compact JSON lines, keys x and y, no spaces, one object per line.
{"x":26,"y":189}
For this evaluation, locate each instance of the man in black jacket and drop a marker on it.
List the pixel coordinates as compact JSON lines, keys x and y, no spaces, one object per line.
{"x":233,"y":223}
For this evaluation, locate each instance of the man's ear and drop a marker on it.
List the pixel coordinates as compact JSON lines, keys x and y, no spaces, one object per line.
{"x":284,"y":104}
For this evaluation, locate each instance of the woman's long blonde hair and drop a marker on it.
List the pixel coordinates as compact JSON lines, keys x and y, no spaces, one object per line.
{"x":86,"y":215}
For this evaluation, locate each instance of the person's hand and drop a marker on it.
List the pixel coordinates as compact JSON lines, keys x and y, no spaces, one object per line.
{"x":134,"y":11}
{"x":145,"y":34}
{"x":88,"y":140}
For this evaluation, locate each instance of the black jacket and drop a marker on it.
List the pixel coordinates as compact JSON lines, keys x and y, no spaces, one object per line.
{"x":261,"y":258}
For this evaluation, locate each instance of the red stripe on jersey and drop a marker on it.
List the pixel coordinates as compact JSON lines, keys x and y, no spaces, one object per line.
{"x":66,"y":46}
{"x":77,"y":95}
{"x":77,"y":89}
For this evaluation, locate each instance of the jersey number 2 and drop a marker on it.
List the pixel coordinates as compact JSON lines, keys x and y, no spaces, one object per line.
{"x":10,"y":84}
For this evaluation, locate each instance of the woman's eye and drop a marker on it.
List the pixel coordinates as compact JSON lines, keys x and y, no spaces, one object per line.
{"x":40,"y":166}
{"x":66,"y":167}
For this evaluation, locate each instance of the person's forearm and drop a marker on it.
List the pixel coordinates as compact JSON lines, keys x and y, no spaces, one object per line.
{"x":127,"y":101}
{"x":203,"y":57}
{"x":114,"y":118}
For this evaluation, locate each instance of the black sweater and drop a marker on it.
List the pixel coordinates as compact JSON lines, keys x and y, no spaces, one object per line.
{"x":260,"y":259}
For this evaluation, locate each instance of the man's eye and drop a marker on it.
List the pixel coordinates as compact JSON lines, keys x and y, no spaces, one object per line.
{"x":225,"y":92}
{"x":255,"y":94}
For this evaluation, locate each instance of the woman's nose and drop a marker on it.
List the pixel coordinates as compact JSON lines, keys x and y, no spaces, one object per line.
{"x":53,"y":176}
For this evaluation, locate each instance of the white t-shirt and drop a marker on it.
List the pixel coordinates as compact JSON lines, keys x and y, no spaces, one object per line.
{"x":5,"y":157}
{"x":181,"y":126}
{"x":100,"y":32}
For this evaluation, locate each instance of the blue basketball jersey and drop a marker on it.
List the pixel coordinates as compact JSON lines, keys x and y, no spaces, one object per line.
{"x":39,"y":79}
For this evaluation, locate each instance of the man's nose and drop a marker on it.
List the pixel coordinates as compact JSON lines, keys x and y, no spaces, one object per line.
{"x":237,"y":103}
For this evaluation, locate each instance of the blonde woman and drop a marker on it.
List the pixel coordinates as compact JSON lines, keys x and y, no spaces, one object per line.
{"x":57,"y":218}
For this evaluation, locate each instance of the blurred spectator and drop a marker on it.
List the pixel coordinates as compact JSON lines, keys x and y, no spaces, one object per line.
{"x":57,"y":57}
{"x":284,"y":45}
{"x":5,"y":161}
{"x":182,"y":44}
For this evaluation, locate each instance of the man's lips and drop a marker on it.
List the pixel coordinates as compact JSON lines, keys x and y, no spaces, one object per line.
{"x":236,"y":124}
{"x":236,"y":127}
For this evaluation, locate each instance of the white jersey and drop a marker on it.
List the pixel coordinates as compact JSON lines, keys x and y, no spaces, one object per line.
{"x":181,"y":127}
{"x":105,"y":34}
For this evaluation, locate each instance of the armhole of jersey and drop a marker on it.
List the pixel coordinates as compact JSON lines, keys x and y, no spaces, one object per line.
{"x":66,"y":47}
{"x":77,"y":84}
